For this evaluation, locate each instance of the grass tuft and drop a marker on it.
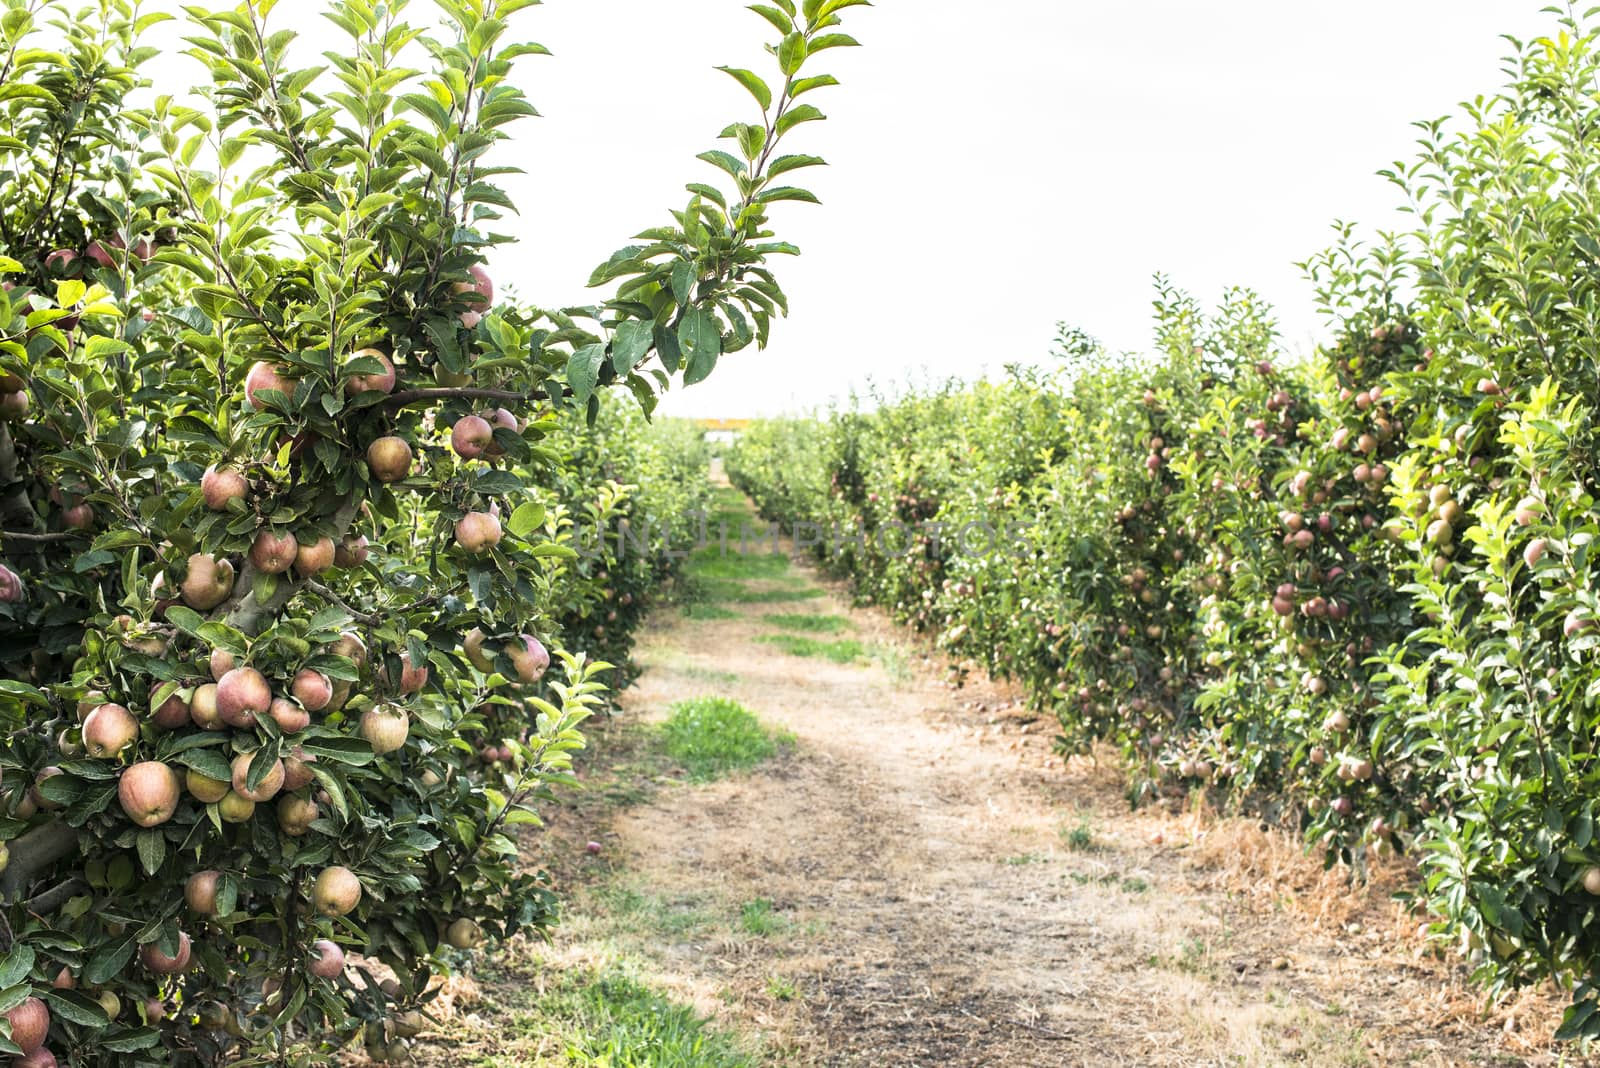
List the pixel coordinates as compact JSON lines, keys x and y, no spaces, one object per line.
{"x":845,"y":651}
{"x":712,"y":736}
{"x":759,"y":918}
{"x":612,"y":1020}
{"x":808,"y":624}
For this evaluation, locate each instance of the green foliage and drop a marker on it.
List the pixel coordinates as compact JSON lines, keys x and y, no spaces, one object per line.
{"x":1354,"y":594}
{"x":713,"y":736}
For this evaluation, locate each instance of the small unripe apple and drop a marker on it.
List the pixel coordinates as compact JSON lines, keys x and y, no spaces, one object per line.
{"x":235,"y":809}
{"x":472,"y":645}
{"x":1575,"y":622}
{"x":464,"y":934}
{"x":221,"y":485}
{"x":336,"y":891}
{"x":208,"y":582}
{"x":385,"y":727}
{"x":59,"y":260}
{"x":204,"y":789}
{"x":78,"y":517}
{"x":1591,"y":881}
{"x":148,"y":792}
{"x":272,"y":553}
{"x":389,"y":458}
{"x":203,"y":708}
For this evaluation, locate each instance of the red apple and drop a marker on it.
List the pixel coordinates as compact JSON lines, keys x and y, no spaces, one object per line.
{"x":109,"y":730}
{"x":290,"y":717}
{"x":351,"y":551}
{"x":471,"y":436}
{"x":30,"y":1024}
{"x":412,"y":679}
{"x":477,"y":532}
{"x":315,"y":558}
{"x":242,"y":695}
{"x":151,"y":957}
{"x":265,"y":376}
{"x":327,"y":959}
{"x":529,"y":657}
{"x":220,"y":485}
{"x":312,"y":689}
{"x":148,"y":792}
{"x":200,"y":891}
{"x":272,"y":553}
{"x":266,"y":789}
{"x":171,"y":713}
{"x":379,"y":381}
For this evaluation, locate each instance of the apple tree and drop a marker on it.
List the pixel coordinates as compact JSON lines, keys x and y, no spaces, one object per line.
{"x":276,"y":540}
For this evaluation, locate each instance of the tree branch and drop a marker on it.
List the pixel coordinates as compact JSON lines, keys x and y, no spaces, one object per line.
{"x":334,"y":599}
{"x":412,"y":396}
{"x":14,"y":503}
{"x":33,"y":853}
{"x":18,"y":535}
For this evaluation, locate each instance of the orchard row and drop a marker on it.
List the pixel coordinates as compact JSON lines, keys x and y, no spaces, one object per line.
{"x":1356,"y":592}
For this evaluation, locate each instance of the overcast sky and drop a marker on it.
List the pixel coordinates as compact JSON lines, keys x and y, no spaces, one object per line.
{"x":996,"y":167}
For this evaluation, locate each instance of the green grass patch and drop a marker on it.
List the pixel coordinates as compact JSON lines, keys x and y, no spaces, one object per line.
{"x":713,"y":563}
{"x":759,"y":917}
{"x":1079,"y":838}
{"x":844,"y":651}
{"x":631,"y":909}
{"x":733,"y":592}
{"x":707,"y":610}
{"x":808,"y":624}
{"x":612,"y":1020}
{"x":712,"y":736}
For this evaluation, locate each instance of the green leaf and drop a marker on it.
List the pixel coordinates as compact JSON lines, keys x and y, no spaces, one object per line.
{"x":795,"y":116}
{"x":16,"y":965}
{"x":758,"y":88}
{"x":780,"y":22}
{"x":152,"y":850}
{"x":630,"y":344}
{"x":528,"y":517}
{"x":784,"y":164}
{"x":75,"y":1007}
{"x":700,"y":337}
{"x":583,"y":371}
{"x":108,"y":961}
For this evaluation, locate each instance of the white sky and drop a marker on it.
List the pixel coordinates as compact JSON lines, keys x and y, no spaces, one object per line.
{"x":996,"y":167}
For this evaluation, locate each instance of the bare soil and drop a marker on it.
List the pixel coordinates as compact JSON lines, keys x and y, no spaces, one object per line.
{"x":952,"y":894}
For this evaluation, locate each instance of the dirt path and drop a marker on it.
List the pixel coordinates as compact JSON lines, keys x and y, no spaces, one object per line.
{"x":932,"y":889}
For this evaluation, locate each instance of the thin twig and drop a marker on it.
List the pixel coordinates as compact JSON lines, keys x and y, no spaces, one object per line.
{"x":333,"y":598}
